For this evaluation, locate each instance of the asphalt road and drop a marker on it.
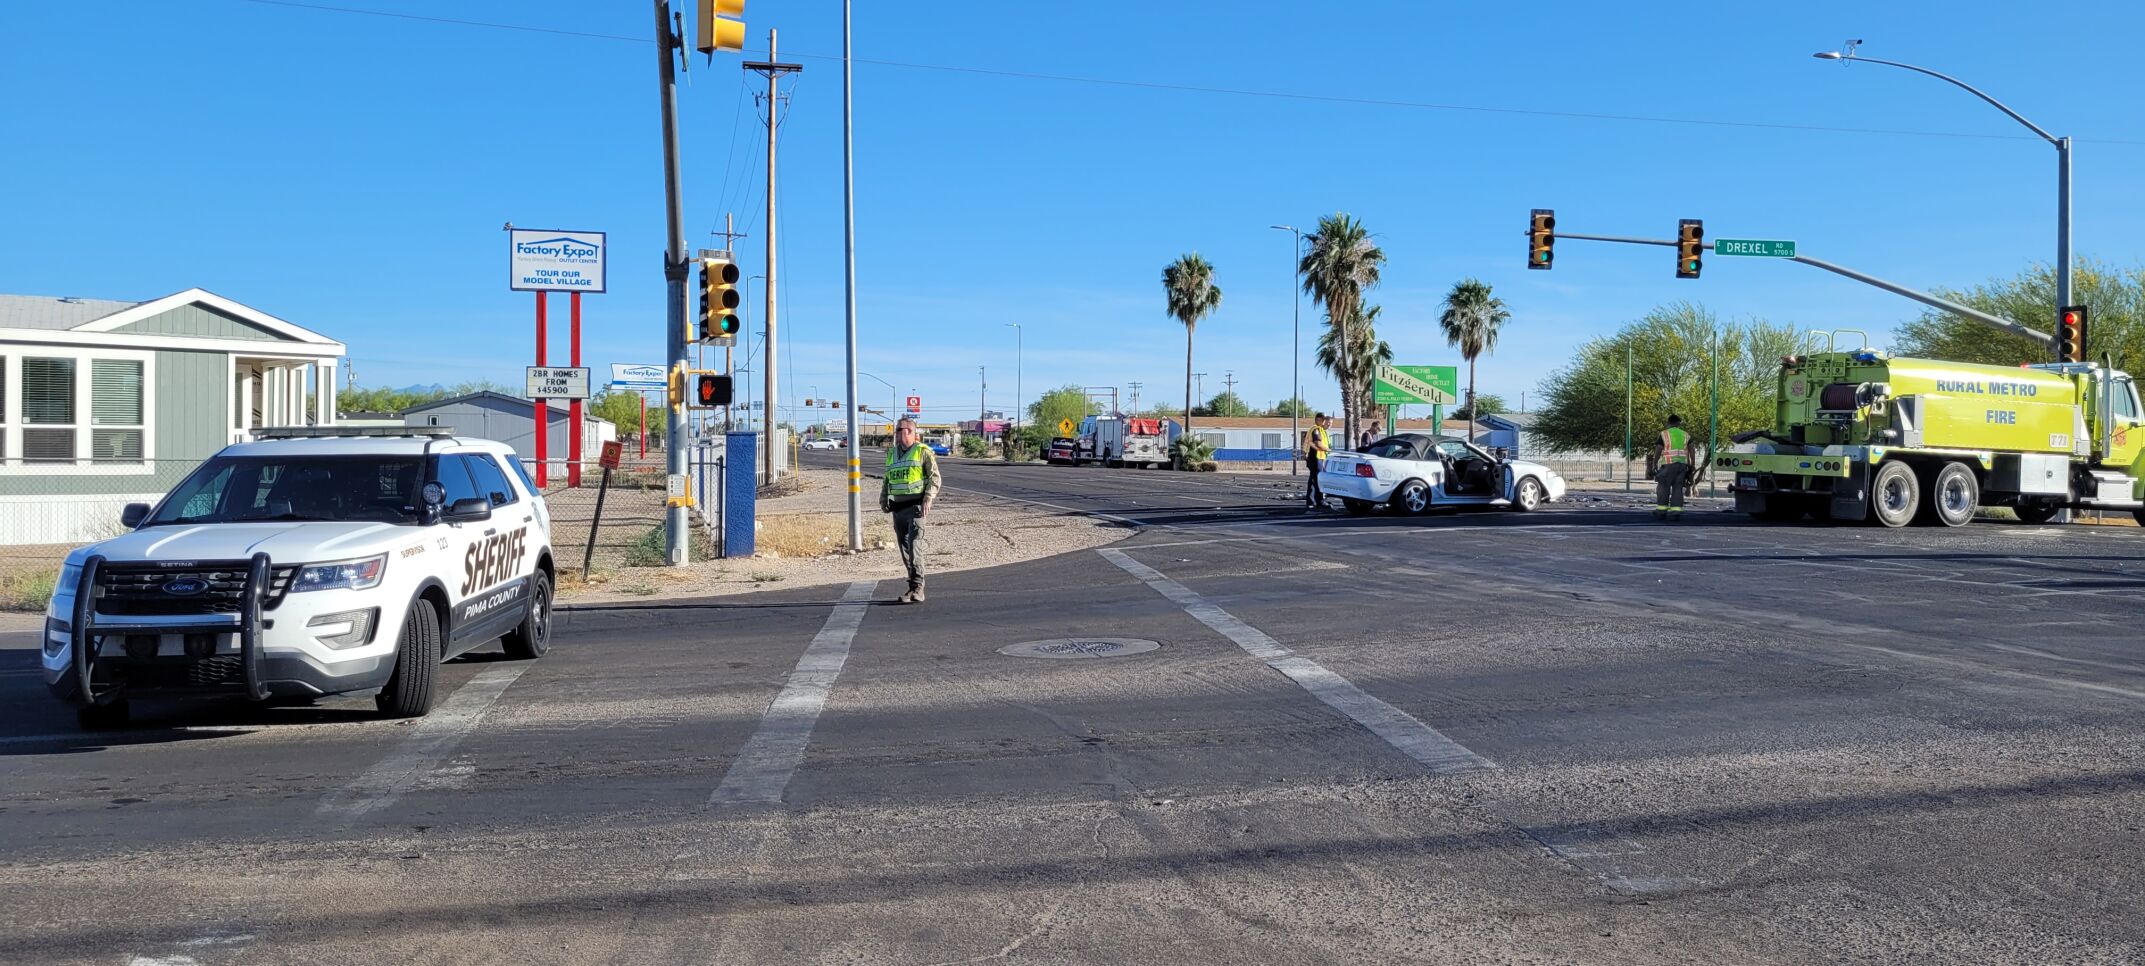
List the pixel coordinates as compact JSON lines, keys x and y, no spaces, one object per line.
{"x":1571,"y":736}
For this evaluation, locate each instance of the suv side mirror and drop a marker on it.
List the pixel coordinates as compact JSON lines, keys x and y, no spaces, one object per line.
{"x":475,"y":509}
{"x":133,"y":515}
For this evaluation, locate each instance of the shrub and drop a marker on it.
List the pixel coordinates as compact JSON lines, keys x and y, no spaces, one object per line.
{"x":1190,"y":451}
{"x":975,"y":447}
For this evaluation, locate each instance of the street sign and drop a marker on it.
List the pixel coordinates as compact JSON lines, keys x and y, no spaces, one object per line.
{"x":614,"y":452}
{"x":1065,"y":427}
{"x":1416,"y":385}
{"x":555,"y":261}
{"x":916,"y":405}
{"x":1762,"y":247}
{"x":558,"y":382}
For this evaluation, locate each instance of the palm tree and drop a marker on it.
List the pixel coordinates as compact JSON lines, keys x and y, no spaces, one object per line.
{"x":1471,"y":320}
{"x":1339,"y":263}
{"x":1188,"y":284}
{"x":1365,"y":352}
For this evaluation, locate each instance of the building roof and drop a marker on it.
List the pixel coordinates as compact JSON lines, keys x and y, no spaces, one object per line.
{"x":55,"y":312}
{"x":1513,"y":420}
{"x":557,"y":411}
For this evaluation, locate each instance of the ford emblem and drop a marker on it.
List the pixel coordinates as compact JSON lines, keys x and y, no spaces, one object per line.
{"x":185,"y":586}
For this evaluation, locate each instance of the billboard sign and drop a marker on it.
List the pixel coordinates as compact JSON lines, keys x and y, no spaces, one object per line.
{"x":558,"y":382}
{"x":555,"y":261}
{"x":1416,"y":385}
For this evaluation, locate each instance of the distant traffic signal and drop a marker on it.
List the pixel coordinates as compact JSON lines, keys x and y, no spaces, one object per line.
{"x":1541,"y":238}
{"x":2070,"y":334}
{"x":716,"y":31}
{"x":711,"y":390}
{"x":1690,"y":247}
{"x":718,"y":300}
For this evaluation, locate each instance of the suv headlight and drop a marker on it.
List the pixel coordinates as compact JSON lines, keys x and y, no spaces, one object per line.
{"x":343,"y":574}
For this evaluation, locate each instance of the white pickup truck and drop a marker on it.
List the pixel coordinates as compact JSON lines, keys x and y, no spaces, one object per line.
{"x":311,"y":562}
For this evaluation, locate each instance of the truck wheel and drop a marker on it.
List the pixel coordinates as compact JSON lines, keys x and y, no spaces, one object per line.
{"x":1894,"y":494}
{"x":408,"y":693}
{"x":2041,"y":513}
{"x":532,"y":637}
{"x":103,"y":717}
{"x":1412,"y":499}
{"x":1952,"y":496}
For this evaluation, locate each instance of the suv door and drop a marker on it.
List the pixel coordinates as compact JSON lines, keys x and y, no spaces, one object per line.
{"x":514,"y":512}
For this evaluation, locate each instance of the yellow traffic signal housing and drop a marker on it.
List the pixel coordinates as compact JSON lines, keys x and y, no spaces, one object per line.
{"x":2070,"y":333}
{"x":716,"y":30}
{"x":677,"y":386}
{"x":1690,"y":247}
{"x":718,"y":300}
{"x":1541,"y":238}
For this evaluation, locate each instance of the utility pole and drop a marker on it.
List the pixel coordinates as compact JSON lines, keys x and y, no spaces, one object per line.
{"x":1627,"y":417}
{"x":849,"y":287}
{"x":1136,"y":397}
{"x":770,"y":461}
{"x":1199,"y":379}
{"x":983,"y":392}
{"x":674,"y":273}
{"x":1229,"y":379}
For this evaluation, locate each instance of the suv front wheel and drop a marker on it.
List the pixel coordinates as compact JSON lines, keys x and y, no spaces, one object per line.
{"x":408,"y":693}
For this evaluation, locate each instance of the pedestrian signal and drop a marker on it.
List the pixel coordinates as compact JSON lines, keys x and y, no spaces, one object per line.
{"x":1690,"y":246}
{"x":711,"y":391}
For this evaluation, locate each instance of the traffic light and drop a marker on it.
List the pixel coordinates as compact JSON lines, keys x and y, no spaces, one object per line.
{"x":807,"y":402}
{"x":711,"y":390}
{"x":717,"y":31}
{"x":676,"y":386}
{"x":1541,"y":238}
{"x":718,"y":300}
{"x":2070,"y":334}
{"x":1690,"y":247}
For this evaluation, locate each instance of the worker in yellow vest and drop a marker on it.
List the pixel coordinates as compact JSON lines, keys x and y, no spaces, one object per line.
{"x":907,"y":491}
{"x":1672,"y":474}
{"x":1317,"y":445}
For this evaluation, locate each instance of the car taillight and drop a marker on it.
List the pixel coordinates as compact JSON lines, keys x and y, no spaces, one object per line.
{"x":1364,"y":469}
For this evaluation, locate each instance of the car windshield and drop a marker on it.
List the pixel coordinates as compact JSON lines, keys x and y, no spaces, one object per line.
{"x":380,"y":489}
{"x":1456,"y":450}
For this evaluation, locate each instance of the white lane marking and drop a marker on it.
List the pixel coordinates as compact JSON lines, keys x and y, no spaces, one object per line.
{"x":1617,"y":862}
{"x":763,"y":767}
{"x":411,"y":763}
{"x":235,"y":941}
{"x":1428,"y":746}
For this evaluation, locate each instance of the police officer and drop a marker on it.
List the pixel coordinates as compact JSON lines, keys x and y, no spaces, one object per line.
{"x":907,"y":491}
{"x":1672,"y":474}
{"x":1317,"y":444}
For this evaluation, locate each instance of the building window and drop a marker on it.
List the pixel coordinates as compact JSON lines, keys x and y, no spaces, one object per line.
{"x":1216,"y":440}
{"x":48,"y":410}
{"x":1272,"y":441}
{"x":115,"y":410}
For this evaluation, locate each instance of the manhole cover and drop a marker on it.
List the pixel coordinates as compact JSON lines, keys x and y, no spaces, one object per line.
{"x":1079,"y":647}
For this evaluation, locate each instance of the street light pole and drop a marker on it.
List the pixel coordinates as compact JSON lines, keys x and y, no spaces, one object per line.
{"x":2063,"y":157}
{"x":1295,"y":345}
{"x":1019,"y":351}
{"x":849,"y":286}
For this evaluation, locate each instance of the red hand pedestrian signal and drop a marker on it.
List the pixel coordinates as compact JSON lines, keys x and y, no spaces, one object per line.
{"x":711,"y":391}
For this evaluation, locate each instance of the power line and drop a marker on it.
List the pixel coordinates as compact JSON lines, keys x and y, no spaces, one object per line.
{"x":1249,"y":92}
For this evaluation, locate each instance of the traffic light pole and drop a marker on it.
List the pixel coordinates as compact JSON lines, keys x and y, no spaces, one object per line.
{"x":675,"y":523}
{"x":849,"y":289}
{"x":1941,"y":304}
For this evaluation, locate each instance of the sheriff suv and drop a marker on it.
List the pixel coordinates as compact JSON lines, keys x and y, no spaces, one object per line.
{"x":310,"y":562}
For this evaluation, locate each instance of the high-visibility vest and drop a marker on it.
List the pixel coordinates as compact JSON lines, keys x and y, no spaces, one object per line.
{"x":1675,"y":445}
{"x":1321,"y":443}
{"x":905,"y":472}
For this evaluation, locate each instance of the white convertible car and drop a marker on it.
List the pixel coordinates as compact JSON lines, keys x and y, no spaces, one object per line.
{"x":1411,"y":473}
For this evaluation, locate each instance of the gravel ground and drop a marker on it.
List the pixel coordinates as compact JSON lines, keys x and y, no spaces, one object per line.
{"x":964,"y":532}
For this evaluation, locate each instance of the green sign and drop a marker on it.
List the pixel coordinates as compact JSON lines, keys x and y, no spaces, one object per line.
{"x":1754,"y":246}
{"x":1416,"y":385}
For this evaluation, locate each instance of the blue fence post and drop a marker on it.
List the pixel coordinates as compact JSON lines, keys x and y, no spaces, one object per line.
{"x":741,"y":494}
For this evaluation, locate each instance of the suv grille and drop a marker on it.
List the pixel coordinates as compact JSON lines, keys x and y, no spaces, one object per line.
{"x":135,"y":590}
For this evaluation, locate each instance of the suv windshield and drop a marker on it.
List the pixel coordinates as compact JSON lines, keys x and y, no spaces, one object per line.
{"x":379,"y":489}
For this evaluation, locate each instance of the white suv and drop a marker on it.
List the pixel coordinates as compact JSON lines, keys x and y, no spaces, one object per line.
{"x":313,"y":562}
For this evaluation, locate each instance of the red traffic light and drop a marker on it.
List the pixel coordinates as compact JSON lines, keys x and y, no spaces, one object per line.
{"x":2070,"y":333}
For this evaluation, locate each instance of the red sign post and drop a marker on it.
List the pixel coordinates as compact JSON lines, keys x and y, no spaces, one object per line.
{"x":573,"y":432}
{"x":543,"y":409}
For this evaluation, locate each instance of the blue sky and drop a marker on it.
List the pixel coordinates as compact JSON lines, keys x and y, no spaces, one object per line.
{"x":351,"y":173}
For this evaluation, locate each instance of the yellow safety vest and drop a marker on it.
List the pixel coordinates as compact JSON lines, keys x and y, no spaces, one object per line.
{"x":905,"y":472}
{"x":1321,"y":443}
{"x":1675,"y":445}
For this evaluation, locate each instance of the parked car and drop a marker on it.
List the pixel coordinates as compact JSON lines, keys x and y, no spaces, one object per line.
{"x":820,"y":443}
{"x":1412,"y":473}
{"x":1061,"y":451}
{"x":308,"y":563}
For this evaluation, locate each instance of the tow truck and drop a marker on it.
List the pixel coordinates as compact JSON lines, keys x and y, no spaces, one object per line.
{"x":1866,"y":436}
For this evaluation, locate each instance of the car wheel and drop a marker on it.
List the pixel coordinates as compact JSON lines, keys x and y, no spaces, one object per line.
{"x":1894,"y":495}
{"x":1952,"y":496}
{"x":103,"y":717}
{"x":532,"y":637}
{"x":1529,"y":494}
{"x":1412,"y":499}
{"x":408,"y":693}
{"x":1357,"y":507}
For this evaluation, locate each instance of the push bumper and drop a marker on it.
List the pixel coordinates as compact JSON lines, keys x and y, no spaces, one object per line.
{"x":102,"y":665}
{"x":1839,"y":483}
